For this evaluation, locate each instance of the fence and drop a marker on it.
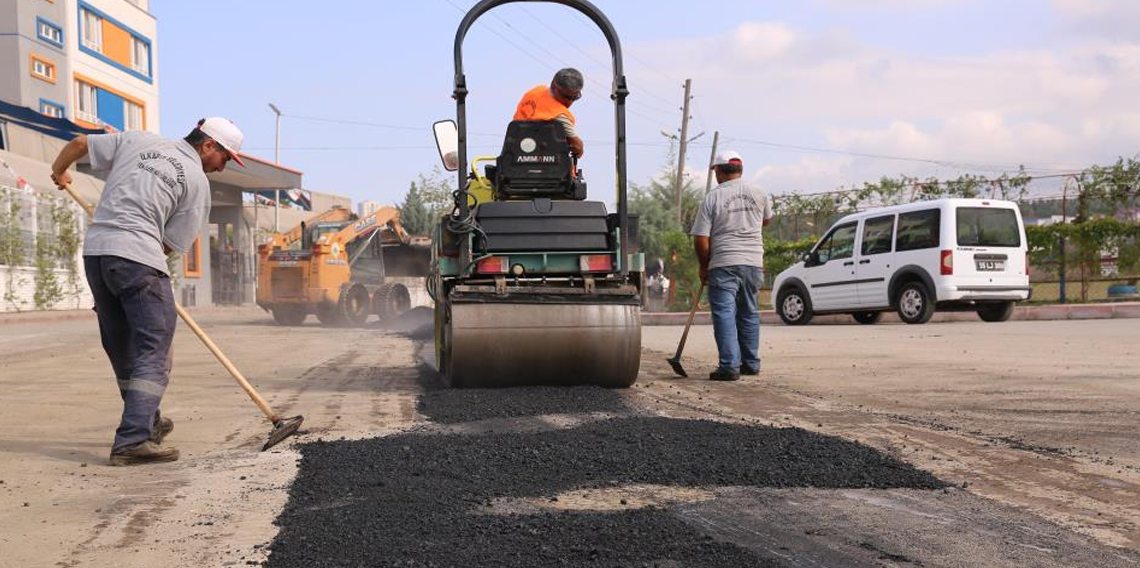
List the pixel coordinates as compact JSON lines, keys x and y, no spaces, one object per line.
{"x":40,"y":264}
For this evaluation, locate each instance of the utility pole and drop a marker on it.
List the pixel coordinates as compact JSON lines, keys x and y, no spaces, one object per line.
{"x":684,"y":143}
{"x":276,"y":160}
{"x":712,"y":156}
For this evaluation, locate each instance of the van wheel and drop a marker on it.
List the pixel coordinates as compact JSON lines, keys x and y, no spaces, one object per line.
{"x":913,"y":303}
{"x":996,"y":312}
{"x":794,"y":306}
{"x":867,"y":318}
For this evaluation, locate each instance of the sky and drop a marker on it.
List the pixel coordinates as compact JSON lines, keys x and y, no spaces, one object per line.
{"x":814,"y":94}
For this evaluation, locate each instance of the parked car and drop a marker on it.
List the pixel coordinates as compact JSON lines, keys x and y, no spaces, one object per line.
{"x":946,"y":254}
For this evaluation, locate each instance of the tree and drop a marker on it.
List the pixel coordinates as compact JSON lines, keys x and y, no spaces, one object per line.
{"x":427,"y":198}
{"x":660,"y":236}
{"x":414,"y":213}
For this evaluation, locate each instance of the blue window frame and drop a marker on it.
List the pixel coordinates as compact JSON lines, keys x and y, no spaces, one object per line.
{"x":49,"y":32}
{"x":52,"y":108}
{"x":137,"y":37}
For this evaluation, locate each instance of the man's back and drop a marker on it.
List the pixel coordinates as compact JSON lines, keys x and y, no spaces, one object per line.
{"x":732,"y":216}
{"x":156,"y":194}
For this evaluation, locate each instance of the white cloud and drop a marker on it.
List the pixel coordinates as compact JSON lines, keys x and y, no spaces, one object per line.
{"x":1071,"y":105}
{"x":1115,"y":19}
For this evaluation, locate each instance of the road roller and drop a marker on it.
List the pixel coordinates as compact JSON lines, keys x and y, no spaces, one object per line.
{"x":533,"y":282}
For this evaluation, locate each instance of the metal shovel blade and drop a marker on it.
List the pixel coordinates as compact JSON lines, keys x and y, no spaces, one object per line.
{"x":282,"y":429}
{"x":677,"y":368}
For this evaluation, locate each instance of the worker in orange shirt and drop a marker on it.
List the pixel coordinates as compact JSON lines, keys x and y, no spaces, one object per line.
{"x":553,"y":103}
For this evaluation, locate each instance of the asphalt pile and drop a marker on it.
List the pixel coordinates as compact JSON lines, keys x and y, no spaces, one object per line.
{"x":426,"y":499}
{"x":455,"y":406}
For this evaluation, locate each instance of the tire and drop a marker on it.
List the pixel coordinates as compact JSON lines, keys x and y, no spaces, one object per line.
{"x":355,"y":305}
{"x":794,"y":306}
{"x":329,"y":316}
{"x":867,"y":318}
{"x":913,"y":303}
{"x":390,"y":301}
{"x":289,"y":315}
{"x":996,"y":312}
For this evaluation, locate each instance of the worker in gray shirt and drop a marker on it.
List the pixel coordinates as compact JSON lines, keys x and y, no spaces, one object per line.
{"x":730,"y":248}
{"x":154,"y":202}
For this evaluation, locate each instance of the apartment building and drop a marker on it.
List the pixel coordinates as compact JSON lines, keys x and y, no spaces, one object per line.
{"x":367,"y":207}
{"x":93,"y":62}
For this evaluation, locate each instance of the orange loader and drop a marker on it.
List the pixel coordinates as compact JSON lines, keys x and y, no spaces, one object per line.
{"x":337,"y":272}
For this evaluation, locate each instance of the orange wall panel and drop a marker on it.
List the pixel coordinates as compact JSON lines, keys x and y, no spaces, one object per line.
{"x":116,"y":44}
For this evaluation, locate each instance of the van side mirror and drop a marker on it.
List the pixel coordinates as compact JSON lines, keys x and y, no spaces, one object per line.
{"x":447,"y":142}
{"x":810,"y":258}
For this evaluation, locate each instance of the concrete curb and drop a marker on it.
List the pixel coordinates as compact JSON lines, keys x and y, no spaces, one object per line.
{"x":1046,"y":312}
{"x":16,"y":318}
{"x":1021,"y":313}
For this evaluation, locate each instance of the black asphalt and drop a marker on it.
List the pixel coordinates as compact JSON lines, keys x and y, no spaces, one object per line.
{"x":423,"y":498}
{"x":470,"y":405}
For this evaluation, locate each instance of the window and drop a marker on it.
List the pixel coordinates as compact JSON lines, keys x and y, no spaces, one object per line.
{"x":3,"y":134}
{"x":987,"y":227}
{"x":52,"y":109}
{"x":92,"y":31}
{"x":43,"y":69}
{"x":49,"y":32}
{"x":877,"y":235}
{"x":133,"y":115}
{"x":192,"y":260}
{"x":839,"y":244}
{"x":140,"y":56}
{"x":918,"y":230}
{"x":86,"y":103}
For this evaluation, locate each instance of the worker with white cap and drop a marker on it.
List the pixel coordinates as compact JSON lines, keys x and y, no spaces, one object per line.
{"x":730,"y":248}
{"x":155,"y":201}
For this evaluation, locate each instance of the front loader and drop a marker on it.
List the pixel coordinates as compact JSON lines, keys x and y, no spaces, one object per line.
{"x":337,"y":273}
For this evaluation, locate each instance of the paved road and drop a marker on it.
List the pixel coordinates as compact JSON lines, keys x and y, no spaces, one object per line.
{"x":1037,"y":419}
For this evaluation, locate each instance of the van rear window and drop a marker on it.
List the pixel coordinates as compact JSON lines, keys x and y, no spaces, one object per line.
{"x":987,"y":227}
{"x":918,"y":230}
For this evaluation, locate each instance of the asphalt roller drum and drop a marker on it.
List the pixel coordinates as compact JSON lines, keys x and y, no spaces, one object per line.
{"x":506,"y":345}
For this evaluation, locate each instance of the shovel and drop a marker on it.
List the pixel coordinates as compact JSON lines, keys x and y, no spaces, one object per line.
{"x":675,"y":362}
{"x":282,"y":427}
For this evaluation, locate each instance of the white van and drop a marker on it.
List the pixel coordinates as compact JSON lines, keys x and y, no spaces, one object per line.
{"x":951,"y":253}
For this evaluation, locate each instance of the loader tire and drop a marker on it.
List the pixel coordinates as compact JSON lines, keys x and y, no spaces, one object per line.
{"x":355,"y":305}
{"x":289,"y":315}
{"x":390,"y":301}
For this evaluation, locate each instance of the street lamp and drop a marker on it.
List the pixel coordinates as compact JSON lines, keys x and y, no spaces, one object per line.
{"x":276,"y":160}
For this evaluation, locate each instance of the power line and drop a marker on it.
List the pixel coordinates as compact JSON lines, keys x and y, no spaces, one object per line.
{"x":374,"y":124}
{"x":590,"y":83}
{"x":948,"y":163}
{"x":598,"y":62}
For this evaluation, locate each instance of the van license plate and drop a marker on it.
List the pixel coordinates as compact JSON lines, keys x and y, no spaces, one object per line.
{"x":991,"y":265}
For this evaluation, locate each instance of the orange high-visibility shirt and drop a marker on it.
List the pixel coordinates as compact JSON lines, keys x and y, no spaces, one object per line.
{"x":539,"y":104}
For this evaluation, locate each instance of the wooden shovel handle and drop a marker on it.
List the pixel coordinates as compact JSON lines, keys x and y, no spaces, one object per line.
{"x":193,"y":325}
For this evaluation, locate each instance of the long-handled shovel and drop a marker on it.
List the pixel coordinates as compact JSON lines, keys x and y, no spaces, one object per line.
{"x":675,"y":362}
{"x":282,"y":427}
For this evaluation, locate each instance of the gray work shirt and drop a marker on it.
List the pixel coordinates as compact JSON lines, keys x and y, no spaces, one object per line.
{"x":732,"y":216}
{"x":156,"y":193}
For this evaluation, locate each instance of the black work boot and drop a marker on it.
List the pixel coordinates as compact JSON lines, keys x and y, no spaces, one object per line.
{"x":724,"y":375}
{"x":144,"y":452}
{"x":746,"y":370}
{"x":162,"y":427}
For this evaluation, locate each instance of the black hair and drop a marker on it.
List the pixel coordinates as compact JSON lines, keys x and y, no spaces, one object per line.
{"x":197,"y":137}
{"x":570,"y":79}
{"x":730,"y":168}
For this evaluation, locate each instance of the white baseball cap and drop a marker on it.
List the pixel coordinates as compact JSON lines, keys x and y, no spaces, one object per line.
{"x":727,"y":157}
{"x":225,"y":133}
